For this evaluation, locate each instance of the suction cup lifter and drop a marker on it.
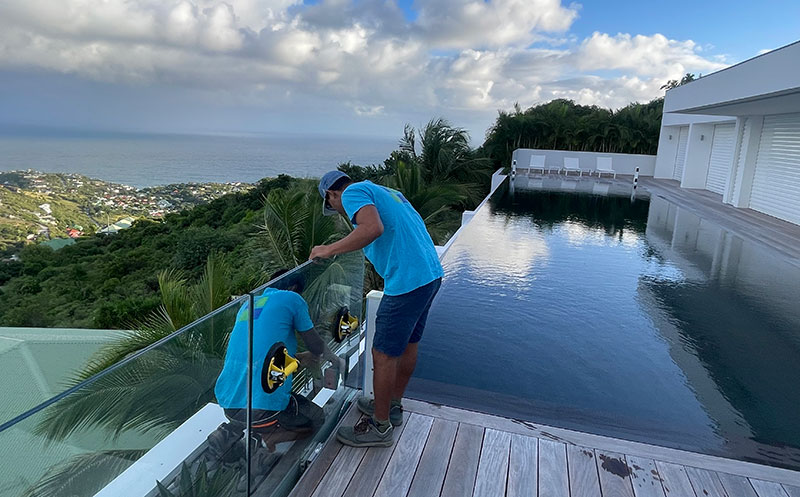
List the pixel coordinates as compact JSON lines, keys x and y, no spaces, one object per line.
{"x":343,"y":324}
{"x":278,"y":366}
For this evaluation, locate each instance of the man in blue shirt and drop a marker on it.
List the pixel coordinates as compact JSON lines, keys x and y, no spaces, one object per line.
{"x":396,"y":242}
{"x":281,"y":415}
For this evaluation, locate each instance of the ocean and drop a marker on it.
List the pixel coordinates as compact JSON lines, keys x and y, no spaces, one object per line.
{"x":142,"y":160}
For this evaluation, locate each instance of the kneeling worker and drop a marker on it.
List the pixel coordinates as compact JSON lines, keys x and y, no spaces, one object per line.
{"x":281,"y":415}
{"x":396,"y":242}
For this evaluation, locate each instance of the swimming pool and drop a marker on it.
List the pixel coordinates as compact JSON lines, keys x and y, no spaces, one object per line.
{"x":634,"y":319}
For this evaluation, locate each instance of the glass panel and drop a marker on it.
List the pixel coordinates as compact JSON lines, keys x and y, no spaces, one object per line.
{"x":143,"y":420}
{"x":154,"y":424}
{"x":319,"y":391}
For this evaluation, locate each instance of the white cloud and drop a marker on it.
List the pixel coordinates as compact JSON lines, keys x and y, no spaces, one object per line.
{"x":645,"y":55}
{"x":465,"y":24}
{"x":362,"y":56}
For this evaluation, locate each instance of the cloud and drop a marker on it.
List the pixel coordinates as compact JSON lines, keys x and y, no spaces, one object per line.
{"x":465,"y":24}
{"x":645,"y":55}
{"x":465,"y":58}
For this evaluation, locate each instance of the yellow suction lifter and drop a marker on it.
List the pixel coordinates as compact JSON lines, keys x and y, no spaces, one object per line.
{"x":343,"y":324}
{"x":278,"y":366}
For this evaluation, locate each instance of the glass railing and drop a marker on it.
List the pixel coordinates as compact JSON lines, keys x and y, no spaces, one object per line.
{"x":168,"y":419}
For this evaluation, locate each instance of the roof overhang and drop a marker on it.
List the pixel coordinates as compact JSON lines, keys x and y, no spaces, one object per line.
{"x":767,"y":84}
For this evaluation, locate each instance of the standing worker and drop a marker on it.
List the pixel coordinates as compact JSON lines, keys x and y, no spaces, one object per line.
{"x":396,"y":242}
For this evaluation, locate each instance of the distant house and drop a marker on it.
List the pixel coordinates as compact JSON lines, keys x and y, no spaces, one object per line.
{"x":119,"y":225}
{"x":736,"y":133}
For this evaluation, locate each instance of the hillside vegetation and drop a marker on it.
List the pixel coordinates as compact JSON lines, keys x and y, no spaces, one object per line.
{"x":112,"y":281}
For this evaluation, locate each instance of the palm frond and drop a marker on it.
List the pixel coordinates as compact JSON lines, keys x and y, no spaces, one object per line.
{"x":84,"y":474}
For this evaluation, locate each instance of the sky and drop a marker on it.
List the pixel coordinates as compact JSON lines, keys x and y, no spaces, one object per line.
{"x":354,"y":67}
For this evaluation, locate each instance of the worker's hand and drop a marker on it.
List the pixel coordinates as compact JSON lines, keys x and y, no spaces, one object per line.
{"x":321,"y":252}
{"x":307,"y":359}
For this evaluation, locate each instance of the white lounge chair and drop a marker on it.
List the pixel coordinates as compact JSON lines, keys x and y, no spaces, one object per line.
{"x":604,"y":166}
{"x":572,"y":164}
{"x":537,"y":162}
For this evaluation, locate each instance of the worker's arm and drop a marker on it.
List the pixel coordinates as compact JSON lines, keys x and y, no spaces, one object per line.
{"x":317,"y":350}
{"x":313,"y":342}
{"x":368,"y":227}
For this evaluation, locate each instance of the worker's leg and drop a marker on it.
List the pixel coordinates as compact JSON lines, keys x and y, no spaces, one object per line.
{"x":406,"y":365}
{"x":408,"y":361}
{"x":384,"y":382}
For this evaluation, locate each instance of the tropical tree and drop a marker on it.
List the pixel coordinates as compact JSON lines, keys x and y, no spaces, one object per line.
{"x":444,"y":154}
{"x":294,"y":224}
{"x":433,"y":201}
{"x":562,"y":125}
{"x":674,"y":83}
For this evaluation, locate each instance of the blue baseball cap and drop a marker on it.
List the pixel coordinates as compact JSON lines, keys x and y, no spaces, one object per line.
{"x":325,"y":184}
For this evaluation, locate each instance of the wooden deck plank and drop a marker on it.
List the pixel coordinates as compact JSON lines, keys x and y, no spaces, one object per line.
{"x":583,"y":478}
{"x":463,"y":466}
{"x":767,"y":488}
{"x":675,"y":480}
{"x":553,"y":474}
{"x":367,"y":476}
{"x":645,"y":477}
{"x":338,"y":476}
{"x":705,"y":483}
{"x":664,"y":454}
{"x":402,"y":465}
{"x":432,"y":467}
{"x":615,"y":474}
{"x":736,"y":486}
{"x":523,"y":463}
{"x":792,"y":490}
{"x":493,"y":465}
{"x":313,"y":475}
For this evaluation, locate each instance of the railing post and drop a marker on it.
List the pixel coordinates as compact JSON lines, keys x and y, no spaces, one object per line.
{"x":373,"y":301}
{"x":249,"y":416}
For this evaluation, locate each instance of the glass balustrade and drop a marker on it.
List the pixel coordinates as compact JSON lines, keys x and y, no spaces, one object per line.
{"x":151,"y":424}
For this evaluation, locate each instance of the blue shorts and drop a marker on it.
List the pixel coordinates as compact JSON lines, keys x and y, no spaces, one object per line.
{"x":401,"y":318}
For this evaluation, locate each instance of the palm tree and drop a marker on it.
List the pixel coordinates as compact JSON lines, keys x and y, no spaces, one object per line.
{"x":445,"y":154}
{"x":433,"y":201}
{"x":294,"y":224}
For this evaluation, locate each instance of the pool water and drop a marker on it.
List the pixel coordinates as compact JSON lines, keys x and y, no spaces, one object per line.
{"x":633,"y":319}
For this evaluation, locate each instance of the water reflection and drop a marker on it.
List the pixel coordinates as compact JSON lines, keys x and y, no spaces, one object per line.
{"x":633,"y":319}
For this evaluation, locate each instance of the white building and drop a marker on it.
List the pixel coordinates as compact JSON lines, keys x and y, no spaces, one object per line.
{"x":736,"y":132}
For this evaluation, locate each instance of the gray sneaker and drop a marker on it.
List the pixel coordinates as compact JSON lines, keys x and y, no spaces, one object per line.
{"x":365,"y":434}
{"x":367,"y":406}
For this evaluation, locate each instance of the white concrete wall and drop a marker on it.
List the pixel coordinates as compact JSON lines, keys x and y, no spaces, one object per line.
{"x":622,"y":163}
{"x":698,"y":153}
{"x":667,"y":148}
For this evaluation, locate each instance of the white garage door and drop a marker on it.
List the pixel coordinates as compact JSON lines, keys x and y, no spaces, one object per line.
{"x":719,"y":165}
{"x":680,"y":156}
{"x":776,"y":184}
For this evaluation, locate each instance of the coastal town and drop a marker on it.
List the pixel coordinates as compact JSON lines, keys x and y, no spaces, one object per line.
{"x":53,"y":208}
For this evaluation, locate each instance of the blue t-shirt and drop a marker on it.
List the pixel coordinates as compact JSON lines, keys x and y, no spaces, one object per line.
{"x":278,"y":313}
{"x":404,"y":254}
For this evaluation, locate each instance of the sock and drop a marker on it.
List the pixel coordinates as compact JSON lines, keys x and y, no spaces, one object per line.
{"x":381,"y":425}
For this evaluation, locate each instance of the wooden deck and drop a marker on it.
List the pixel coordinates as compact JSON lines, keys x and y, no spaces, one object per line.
{"x":449,"y":452}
